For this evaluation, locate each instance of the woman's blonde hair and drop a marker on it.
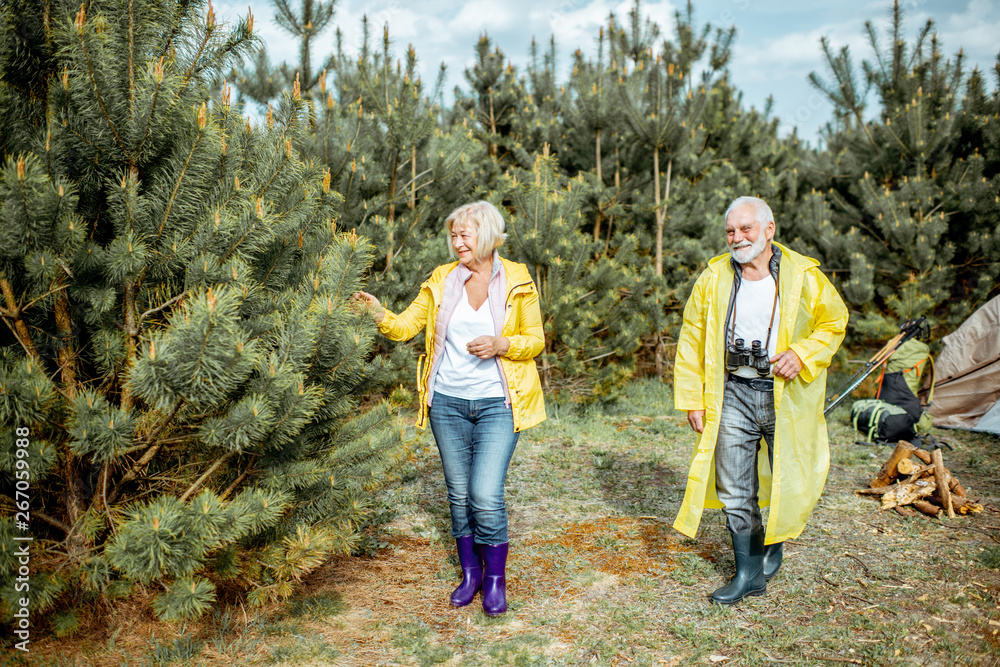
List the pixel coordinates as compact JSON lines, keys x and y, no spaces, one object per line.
{"x":486,"y":220}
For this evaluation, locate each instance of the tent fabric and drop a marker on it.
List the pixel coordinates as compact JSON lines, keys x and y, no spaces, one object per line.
{"x":990,"y":422}
{"x":968,"y":373}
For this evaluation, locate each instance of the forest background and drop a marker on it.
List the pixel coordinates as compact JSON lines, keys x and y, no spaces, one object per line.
{"x":207,"y":417}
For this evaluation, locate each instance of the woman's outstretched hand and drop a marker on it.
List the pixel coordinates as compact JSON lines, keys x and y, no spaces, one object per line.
{"x":368,"y":302}
{"x":485,"y":347}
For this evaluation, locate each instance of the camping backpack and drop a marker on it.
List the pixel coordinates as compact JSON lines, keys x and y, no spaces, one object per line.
{"x":880,"y":421}
{"x":895,"y":413}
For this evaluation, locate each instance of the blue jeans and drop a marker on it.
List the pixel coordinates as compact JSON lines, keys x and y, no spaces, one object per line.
{"x":476,"y":440}
{"x":747,"y":416}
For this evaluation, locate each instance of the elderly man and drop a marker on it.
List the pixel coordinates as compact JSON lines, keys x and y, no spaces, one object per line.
{"x":760,"y":328}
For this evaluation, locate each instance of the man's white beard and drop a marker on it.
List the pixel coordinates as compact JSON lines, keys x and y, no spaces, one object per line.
{"x":747,"y":253}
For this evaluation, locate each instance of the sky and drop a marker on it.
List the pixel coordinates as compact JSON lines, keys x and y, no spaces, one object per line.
{"x":777,"y":42}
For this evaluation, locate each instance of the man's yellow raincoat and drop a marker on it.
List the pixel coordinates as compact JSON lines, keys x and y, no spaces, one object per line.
{"x":813,"y":322}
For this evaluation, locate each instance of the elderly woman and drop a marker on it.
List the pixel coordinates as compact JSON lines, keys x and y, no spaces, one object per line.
{"x":478,"y":385}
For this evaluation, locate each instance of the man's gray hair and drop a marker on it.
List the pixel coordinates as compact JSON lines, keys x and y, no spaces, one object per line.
{"x":762,"y":211}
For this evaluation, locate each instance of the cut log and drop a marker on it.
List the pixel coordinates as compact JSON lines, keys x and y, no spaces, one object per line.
{"x":880,"y":490}
{"x":930,"y":509}
{"x":877,"y":491}
{"x":923,"y":455}
{"x":889,"y":471}
{"x":922,"y":471}
{"x":906,"y":467}
{"x":941,"y":482}
{"x":956,"y":488}
{"x":963,"y":505}
{"x":905,"y":494}
{"x":960,"y":504}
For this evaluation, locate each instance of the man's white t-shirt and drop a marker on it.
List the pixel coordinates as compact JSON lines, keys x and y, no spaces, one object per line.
{"x":754,"y":301}
{"x":461,"y":374}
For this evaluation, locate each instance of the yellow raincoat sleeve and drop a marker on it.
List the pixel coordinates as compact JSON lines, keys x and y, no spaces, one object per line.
{"x":529,"y":338}
{"x":689,"y":365}
{"x":408,"y":323}
{"x":829,"y":323}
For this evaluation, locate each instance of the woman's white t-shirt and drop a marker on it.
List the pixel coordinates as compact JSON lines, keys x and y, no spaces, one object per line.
{"x":460,"y":374}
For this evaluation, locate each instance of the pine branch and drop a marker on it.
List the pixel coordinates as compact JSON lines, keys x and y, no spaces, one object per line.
{"x":133,"y":472}
{"x":177,"y":187}
{"x":238,"y":480}
{"x":208,"y":473}
{"x":97,"y":92}
{"x":13,"y":312}
{"x":52,"y":522}
{"x":152,"y":311}
{"x":39,"y":298}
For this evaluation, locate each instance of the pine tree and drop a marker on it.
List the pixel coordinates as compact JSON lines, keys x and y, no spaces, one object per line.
{"x":593,"y":115}
{"x":595,"y":312}
{"x":663,"y":105}
{"x":916,"y":220}
{"x":377,"y":131}
{"x":496,"y":96}
{"x":178,"y":342}
{"x":304,"y":22}
{"x":540,"y":117}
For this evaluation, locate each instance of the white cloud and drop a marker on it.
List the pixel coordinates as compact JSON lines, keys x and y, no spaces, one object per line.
{"x":795,"y":53}
{"x":975,"y":32}
{"x":484,"y":15}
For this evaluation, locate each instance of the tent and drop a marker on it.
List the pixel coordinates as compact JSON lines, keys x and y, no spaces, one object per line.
{"x":967,"y":373}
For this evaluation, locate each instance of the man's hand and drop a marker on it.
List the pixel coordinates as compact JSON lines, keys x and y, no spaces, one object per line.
{"x":485,"y":347}
{"x":787,"y":364}
{"x":697,"y":420}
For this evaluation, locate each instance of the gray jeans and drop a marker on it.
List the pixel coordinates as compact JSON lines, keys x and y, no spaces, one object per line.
{"x":747,"y":416}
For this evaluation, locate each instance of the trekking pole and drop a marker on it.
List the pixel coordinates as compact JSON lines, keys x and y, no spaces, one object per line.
{"x":907,"y":331}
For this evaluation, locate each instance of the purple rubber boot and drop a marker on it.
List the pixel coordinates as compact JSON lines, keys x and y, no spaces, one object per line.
{"x":472,"y":571}
{"x":494,"y":578}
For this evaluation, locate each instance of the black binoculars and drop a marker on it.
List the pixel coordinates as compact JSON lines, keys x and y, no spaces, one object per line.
{"x":755,"y":357}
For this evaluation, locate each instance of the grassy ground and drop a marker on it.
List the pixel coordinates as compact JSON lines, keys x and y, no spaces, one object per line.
{"x":598,"y":576}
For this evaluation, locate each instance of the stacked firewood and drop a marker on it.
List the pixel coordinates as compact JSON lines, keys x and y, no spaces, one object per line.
{"x":919,"y":479}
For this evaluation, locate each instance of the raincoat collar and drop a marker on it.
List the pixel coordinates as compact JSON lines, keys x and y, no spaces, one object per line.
{"x":463,"y":273}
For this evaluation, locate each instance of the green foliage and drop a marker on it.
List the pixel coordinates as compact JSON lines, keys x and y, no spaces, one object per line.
{"x":179,"y":343}
{"x":990,"y":556}
{"x":595,"y":312}
{"x":914,"y":222}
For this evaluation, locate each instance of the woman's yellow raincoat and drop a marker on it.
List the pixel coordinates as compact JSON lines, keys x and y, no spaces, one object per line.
{"x":522,"y":326}
{"x":813,"y":322}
